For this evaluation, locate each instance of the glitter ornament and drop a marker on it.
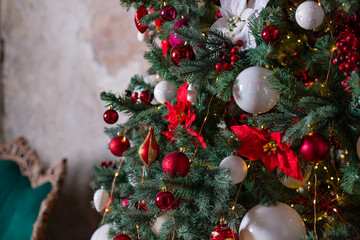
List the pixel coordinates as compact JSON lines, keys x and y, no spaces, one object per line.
{"x":164,"y":200}
{"x":223,"y":232}
{"x":110,"y":116}
{"x":168,"y":13}
{"x":118,"y":145}
{"x":309,"y":15}
{"x":314,"y":148}
{"x":180,"y":52}
{"x":165,"y":91}
{"x":237,"y":168}
{"x":176,"y":164}
{"x":174,"y":39}
{"x":140,"y":13}
{"x":253,"y":92}
{"x":122,"y":237}
{"x":270,"y":34}
{"x":280,"y":222}
{"x":149,"y":149}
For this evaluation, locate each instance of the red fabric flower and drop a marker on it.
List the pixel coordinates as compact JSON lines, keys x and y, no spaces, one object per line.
{"x":181,"y":114}
{"x":258,"y":144}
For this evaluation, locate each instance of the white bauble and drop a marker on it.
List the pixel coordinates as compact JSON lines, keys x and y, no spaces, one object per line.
{"x":358,"y":147}
{"x":192,"y":94}
{"x":293,"y":183}
{"x":253,"y":92}
{"x":280,"y":222}
{"x":101,"y":197}
{"x":142,"y":37}
{"x":237,"y":168}
{"x":165,"y":91}
{"x":102,"y":233}
{"x":309,"y":15}
{"x":158,"y":224}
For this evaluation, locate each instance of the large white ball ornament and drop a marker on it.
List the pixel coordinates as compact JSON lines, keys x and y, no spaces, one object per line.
{"x":101,"y":197}
{"x":293,"y":183}
{"x":358,"y":147}
{"x":309,"y":15}
{"x":192,"y":94}
{"x":237,"y":168}
{"x":165,"y":91}
{"x":102,"y":233}
{"x":158,"y":224}
{"x":279,"y":222}
{"x":253,"y":92}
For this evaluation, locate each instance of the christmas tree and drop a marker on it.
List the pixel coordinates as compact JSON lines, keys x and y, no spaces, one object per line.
{"x":246,"y":127}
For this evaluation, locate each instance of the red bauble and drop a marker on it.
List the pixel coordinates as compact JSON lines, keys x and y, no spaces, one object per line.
{"x":164,"y":200}
{"x":140,"y":13}
{"x":176,"y":164}
{"x":122,"y":237}
{"x":168,"y":13}
{"x":223,"y":232}
{"x":111,"y":116}
{"x":181,"y":51}
{"x":270,"y":34}
{"x":149,"y":150}
{"x":314,"y":148}
{"x":119,"y":145}
{"x":146,"y":97}
{"x":125,"y":202}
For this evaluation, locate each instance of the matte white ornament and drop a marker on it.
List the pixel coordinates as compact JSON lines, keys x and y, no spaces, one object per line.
{"x":293,"y":183}
{"x":165,"y":91}
{"x":102,"y":233}
{"x":237,"y":168}
{"x":280,"y":222}
{"x":101,"y":197}
{"x":192,"y":94}
{"x":358,"y":147}
{"x":158,"y":224}
{"x":309,"y":15}
{"x":252,"y":90}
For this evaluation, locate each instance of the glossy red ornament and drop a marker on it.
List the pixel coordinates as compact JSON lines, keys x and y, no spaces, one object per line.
{"x":135,"y":97}
{"x":110,"y":116}
{"x":146,"y":97}
{"x":168,"y":13}
{"x":122,"y":237}
{"x":149,"y":150}
{"x":176,"y":164}
{"x":234,"y":50}
{"x":164,"y":200}
{"x":118,"y":145}
{"x":174,"y":39}
{"x":219,"y":67}
{"x":223,"y":232}
{"x":180,"y":52}
{"x":140,"y":13}
{"x":239,"y":43}
{"x":314,"y":148}
{"x":270,"y":34}
{"x":125,"y":202}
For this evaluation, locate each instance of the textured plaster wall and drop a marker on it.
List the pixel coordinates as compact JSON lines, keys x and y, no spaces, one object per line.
{"x":59,"y":55}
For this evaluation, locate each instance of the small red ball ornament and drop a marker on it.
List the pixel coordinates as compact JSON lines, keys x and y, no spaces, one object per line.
{"x":223,"y":232}
{"x":125,"y":202}
{"x":122,"y":237}
{"x":239,"y":43}
{"x":314,"y":148}
{"x":168,"y":13}
{"x":176,"y":164}
{"x":111,"y":116}
{"x":164,"y":200}
{"x":146,"y":97}
{"x":140,"y":13}
{"x":118,"y":145}
{"x":180,"y":52}
{"x":270,"y":34}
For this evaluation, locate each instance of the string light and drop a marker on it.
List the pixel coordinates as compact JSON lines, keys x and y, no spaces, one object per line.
{"x":332,"y":178}
{"x":325,"y":168}
{"x":116,"y":174}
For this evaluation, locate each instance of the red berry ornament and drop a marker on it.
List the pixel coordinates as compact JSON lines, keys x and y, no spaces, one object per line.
{"x":270,"y":34}
{"x":119,"y":145}
{"x":176,"y":164}
{"x":122,"y":237}
{"x":140,"y":13}
{"x":314,"y":148}
{"x":111,"y":116}
{"x":168,"y":13}
{"x":234,"y":50}
{"x":180,"y":52}
{"x":164,"y":200}
{"x":219,"y":67}
{"x":239,"y":43}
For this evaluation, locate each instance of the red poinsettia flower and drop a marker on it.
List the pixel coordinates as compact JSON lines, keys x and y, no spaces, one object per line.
{"x":258,"y":144}
{"x":181,"y":114}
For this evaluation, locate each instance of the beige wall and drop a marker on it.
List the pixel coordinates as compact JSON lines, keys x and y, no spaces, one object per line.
{"x":59,"y":55}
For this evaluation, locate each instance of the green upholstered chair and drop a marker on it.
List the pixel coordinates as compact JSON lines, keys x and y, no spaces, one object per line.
{"x":27,"y":191}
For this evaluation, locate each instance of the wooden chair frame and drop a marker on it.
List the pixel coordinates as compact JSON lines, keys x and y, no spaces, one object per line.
{"x":20,"y":152}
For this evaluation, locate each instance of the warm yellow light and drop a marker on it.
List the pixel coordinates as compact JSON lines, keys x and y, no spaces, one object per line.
{"x":288,"y":36}
{"x":314,"y":201}
{"x":233,"y":208}
{"x":292,"y":205}
{"x":325,"y":168}
{"x":332,"y":178}
{"x":106,"y":209}
{"x":316,"y":167}
{"x":335,"y":210}
{"x":116,"y":174}
{"x":342,"y":156}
